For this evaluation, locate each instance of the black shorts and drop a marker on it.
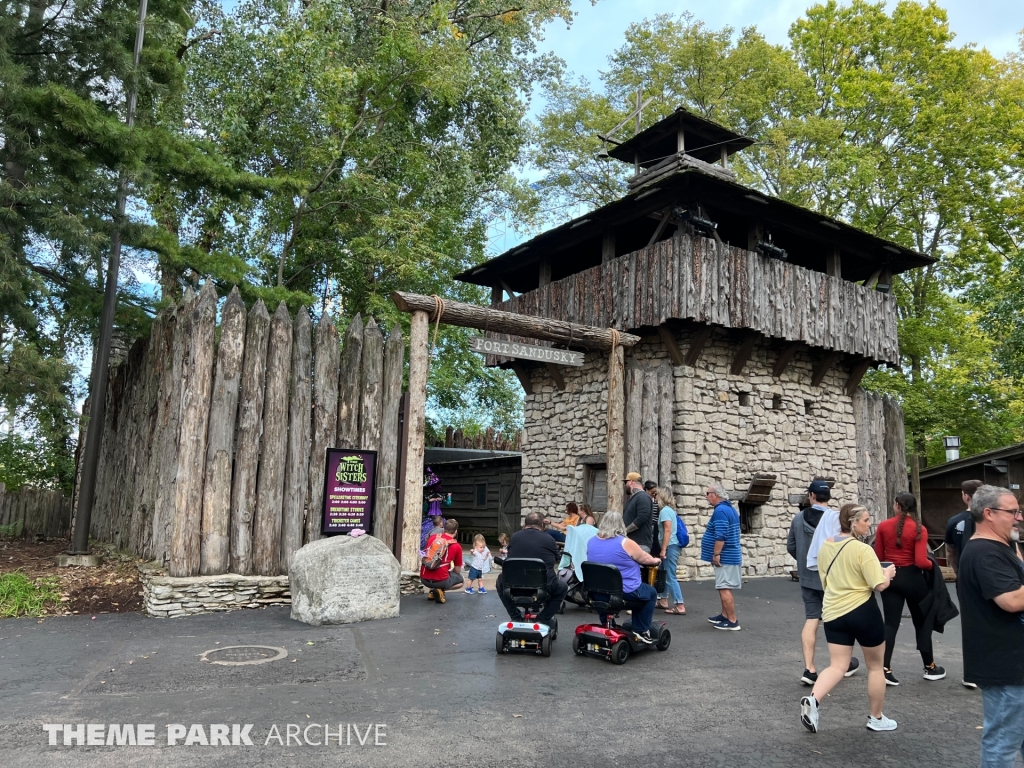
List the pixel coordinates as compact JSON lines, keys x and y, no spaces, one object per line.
{"x":863,"y":625}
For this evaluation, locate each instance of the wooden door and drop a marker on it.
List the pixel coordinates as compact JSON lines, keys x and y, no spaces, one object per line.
{"x":509,"y":508}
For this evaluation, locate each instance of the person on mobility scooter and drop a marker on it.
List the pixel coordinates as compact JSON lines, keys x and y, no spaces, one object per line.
{"x":613,"y":581}
{"x":532,"y":543}
{"x":525,"y":585}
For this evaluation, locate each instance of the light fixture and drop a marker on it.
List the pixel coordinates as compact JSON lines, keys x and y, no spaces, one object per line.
{"x":756,"y":199}
{"x":579,"y":223}
{"x":771,"y":250}
{"x":830,"y":225}
{"x":952,"y":444}
{"x":699,"y":223}
{"x":883,"y":287}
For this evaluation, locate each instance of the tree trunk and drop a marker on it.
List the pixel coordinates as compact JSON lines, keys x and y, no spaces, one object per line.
{"x":296,"y":484}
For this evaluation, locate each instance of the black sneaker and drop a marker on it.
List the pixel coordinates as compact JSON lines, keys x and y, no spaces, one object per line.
{"x":809,"y":678}
{"x":854,"y":666}
{"x":934,"y":672}
{"x":644,"y":637}
{"x":890,"y":678}
{"x":716,"y":619}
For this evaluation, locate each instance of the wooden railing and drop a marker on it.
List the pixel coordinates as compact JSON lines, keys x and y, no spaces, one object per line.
{"x":693,"y":278}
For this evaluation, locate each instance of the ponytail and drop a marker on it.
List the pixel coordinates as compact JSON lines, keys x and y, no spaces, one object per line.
{"x":908,"y":507}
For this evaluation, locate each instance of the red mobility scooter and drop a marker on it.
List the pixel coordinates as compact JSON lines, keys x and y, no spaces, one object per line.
{"x":611,"y":641}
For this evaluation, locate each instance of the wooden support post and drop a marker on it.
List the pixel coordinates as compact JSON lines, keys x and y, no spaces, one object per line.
{"x":856,"y":374}
{"x":826,"y":362}
{"x":523,"y":374}
{"x":387,"y":465}
{"x":661,"y":227}
{"x":833,"y":262}
{"x":725,"y":156}
{"x":497,"y":295}
{"x":296,"y":471}
{"x":755,"y":234}
{"x":614,"y":450}
{"x":670,"y":343}
{"x":349,"y":386}
{"x":785,"y":357}
{"x":700,"y":338}
{"x":607,"y":247}
{"x":743,"y":353}
{"x":556,"y":374}
{"x":872,"y":281}
{"x":325,"y":417}
{"x":412,"y":490}
{"x":505,"y":287}
{"x":680,"y":140}
{"x":544,"y":273}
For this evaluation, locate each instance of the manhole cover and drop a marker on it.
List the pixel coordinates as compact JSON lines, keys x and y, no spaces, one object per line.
{"x":237,"y":655}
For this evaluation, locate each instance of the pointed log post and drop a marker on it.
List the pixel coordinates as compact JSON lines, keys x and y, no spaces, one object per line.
{"x":413,"y":470}
{"x":195,"y":417}
{"x":215,"y":551}
{"x":372,"y":388}
{"x":348,"y":387}
{"x":247,"y":440}
{"x":387,"y":459}
{"x":266,"y":525}
{"x":615,"y":427}
{"x":325,"y":418}
{"x":296,"y":472}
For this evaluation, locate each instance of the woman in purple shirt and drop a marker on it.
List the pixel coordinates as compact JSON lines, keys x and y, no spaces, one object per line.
{"x":611,"y":547}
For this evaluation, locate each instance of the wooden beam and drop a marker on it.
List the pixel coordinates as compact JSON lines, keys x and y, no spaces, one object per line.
{"x":497,"y":321}
{"x":607,"y":247}
{"x":826,"y":362}
{"x":833,"y":262}
{"x":544,"y":276}
{"x":670,"y":342}
{"x":509,"y":291}
{"x":700,"y":338}
{"x":785,"y":357}
{"x":743,"y":353}
{"x":755,"y":234}
{"x":873,"y":280}
{"x":497,"y":295}
{"x":412,"y":501}
{"x":615,"y":427}
{"x":725,"y":156}
{"x":556,"y":374}
{"x":856,"y":374}
{"x":523,"y":374}
{"x":661,"y":227}
{"x":680,"y":140}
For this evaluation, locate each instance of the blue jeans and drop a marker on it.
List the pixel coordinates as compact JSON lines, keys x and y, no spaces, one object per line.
{"x":671,"y":564}
{"x":642,"y":614}
{"x":1003,"y":736}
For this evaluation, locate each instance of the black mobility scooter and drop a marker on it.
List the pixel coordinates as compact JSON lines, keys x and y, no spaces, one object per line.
{"x":524,"y":581}
{"x":612,"y":641}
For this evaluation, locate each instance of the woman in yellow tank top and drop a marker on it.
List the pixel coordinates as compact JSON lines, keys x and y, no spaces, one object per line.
{"x":851,"y":574}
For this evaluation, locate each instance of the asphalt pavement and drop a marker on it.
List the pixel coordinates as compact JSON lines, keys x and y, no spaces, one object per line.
{"x":429,"y":689}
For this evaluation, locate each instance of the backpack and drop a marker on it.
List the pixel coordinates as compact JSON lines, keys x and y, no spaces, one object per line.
{"x":682,"y":535}
{"x":436,"y":553}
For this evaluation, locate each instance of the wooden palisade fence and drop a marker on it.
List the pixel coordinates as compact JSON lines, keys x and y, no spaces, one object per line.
{"x":34,"y":512}
{"x":212,"y":458}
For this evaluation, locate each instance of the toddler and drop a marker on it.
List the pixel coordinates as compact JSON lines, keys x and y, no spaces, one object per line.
{"x":503,"y":553}
{"x":480,"y":560}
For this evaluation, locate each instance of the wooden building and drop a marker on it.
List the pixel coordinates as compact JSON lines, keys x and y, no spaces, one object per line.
{"x":940,"y":485}
{"x":484,"y":487}
{"x":757,"y":320}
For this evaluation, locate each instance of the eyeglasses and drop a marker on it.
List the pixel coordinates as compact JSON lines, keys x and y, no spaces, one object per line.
{"x":1014,"y":512}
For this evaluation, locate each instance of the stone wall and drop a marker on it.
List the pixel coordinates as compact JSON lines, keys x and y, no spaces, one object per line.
{"x":167,"y":597}
{"x":781,"y":426}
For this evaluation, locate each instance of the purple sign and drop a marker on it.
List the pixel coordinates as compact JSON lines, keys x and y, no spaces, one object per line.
{"x":349,"y":485}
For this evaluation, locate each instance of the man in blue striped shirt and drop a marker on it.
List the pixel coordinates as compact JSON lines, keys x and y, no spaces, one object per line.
{"x":720,"y":546}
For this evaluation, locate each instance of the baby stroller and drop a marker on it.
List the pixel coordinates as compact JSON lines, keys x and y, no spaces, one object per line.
{"x":569,"y":570}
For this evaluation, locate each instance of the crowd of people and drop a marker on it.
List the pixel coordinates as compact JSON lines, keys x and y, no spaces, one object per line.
{"x":839,"y":574}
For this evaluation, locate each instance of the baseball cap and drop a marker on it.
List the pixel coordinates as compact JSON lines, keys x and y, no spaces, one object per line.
{"x":633,"y":477}
{"x":819,"y":488}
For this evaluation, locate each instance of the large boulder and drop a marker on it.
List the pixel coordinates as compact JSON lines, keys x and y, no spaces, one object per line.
{"x":340,"y":580}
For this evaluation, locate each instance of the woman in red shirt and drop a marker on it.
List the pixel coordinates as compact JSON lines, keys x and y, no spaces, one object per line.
{"x":903,"y":542}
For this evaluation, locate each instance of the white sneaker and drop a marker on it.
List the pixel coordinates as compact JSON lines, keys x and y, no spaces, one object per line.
{"x":809,"y":714}
{"x":882,"y":723}
{"x":969,"y":685}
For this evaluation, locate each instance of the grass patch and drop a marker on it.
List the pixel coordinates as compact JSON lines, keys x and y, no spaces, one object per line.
{"x":22,"y":596}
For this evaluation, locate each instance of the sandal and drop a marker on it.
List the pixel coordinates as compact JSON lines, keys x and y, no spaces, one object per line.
{"x":675,"y":611}
{"x":661,"y":604}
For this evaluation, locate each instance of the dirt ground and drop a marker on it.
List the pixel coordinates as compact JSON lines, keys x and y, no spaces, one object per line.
{"x":113,"y":587}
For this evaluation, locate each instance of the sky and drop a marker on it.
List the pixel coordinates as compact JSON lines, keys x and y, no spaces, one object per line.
{"x":599,"y":29}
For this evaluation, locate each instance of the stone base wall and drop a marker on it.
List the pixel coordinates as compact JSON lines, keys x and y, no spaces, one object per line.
{"x":725,"y":428}
{"x":166,"y":596}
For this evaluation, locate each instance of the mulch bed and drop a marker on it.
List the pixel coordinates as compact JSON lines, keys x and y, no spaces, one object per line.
{"x":113,"y":587}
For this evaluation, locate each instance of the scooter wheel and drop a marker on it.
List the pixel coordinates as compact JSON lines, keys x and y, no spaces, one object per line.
{"x":664,"y":640}
{"x":620,"y":652}
{"x":499,"y":643}
{"x":545,"y":646}
{"x":561,"y":607}
{"x":576,"y":645}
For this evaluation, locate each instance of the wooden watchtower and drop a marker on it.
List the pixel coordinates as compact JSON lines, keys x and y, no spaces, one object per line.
{"x":757,"y":320}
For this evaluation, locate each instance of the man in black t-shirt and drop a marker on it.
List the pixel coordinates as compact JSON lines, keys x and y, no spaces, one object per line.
{"x":960,"y":527}
{"x":533,"y":542}
{"x":990,"y":586}
{"x":639,"y":515}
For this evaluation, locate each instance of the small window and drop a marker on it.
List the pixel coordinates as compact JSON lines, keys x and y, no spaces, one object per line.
{"x":744,"y":398}
{"x":776,"y":402}
{"x":809,"y":407}
{"x":750,"y":518}
{"x":481,"y":496}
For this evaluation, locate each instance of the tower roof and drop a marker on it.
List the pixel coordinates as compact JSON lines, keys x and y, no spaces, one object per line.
{"x":701,"y":138}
